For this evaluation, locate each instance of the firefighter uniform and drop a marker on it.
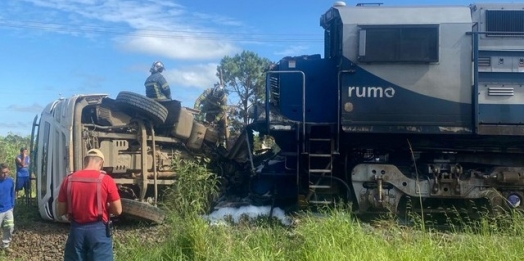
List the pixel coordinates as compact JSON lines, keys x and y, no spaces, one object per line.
{"x":157,"y":87}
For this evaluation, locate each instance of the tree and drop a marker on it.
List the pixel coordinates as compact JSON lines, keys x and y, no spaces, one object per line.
{"x":243,"y":75}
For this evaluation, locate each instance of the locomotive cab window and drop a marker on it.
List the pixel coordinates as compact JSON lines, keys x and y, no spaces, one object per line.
{"x":417,"y":44}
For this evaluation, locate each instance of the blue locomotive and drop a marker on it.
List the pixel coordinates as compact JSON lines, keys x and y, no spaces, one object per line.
{"x":407,"y":102}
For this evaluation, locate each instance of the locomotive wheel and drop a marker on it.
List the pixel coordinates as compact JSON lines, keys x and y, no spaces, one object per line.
{"x":142,"y":210}
{"x":146,"y":107}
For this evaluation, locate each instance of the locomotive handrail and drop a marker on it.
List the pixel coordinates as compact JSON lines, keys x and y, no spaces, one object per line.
{"x":475,"y":53}
{"x":497,"y":33}
{"x":303,"y":102}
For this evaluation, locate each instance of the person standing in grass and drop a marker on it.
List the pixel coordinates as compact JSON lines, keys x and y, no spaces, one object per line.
{"x":22,"y":172}
{"x":88,"y":197}
{"x":7,"y":203}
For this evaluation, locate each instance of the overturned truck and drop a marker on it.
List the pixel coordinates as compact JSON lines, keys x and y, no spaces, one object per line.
{"x":138,"y":136}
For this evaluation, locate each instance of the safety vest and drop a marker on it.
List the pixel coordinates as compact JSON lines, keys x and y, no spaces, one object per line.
{"x":98,"y":182}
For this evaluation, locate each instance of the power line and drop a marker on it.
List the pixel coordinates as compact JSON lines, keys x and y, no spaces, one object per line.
{"x":173,"y":34}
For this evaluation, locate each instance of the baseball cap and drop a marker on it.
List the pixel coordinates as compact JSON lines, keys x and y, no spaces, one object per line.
{"x":95,"y":153}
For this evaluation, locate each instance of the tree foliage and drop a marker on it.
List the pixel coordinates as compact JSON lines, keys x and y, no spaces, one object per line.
{"x":10,"y":147}
{"x":243,"y":75}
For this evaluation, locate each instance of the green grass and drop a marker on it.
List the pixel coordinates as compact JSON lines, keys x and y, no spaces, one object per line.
{"x":337,"y":236}
{"x":334,"y":236}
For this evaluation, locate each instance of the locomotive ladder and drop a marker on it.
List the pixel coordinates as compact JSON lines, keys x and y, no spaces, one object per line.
{"x":319,"y":151}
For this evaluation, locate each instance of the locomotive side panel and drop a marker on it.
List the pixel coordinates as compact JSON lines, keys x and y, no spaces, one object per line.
{"x":406,"y":70}
{"x":499,"y":33}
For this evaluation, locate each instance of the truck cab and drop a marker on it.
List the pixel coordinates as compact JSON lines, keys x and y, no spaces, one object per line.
{"x":138,"y":136}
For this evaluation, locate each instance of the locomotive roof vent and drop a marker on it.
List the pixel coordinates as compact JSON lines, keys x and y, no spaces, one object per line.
{"x":339,"y":4}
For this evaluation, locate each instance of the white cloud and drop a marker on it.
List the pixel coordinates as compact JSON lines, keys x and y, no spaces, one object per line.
{"x":149,"y":26}
{"x":201,"y":76}
{"x":177,"y":46}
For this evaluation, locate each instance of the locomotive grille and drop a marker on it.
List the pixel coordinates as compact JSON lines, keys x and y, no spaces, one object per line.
{"x":274,"y":85}
{"x":500,"y":91}
{"x":484,"y":61}
{"x":505,"y":22}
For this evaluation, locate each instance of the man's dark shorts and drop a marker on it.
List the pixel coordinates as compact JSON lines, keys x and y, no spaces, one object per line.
{"x":22,"y":183}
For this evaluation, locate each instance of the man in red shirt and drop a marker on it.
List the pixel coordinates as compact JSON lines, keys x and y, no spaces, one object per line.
{"x":88,"y":197}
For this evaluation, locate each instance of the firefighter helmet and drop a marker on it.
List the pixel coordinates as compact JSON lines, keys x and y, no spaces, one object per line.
{"x":218,"y":91}
{"x":157,"y":66}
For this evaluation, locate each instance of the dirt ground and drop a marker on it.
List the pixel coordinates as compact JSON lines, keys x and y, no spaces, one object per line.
{"x":39,"y":240}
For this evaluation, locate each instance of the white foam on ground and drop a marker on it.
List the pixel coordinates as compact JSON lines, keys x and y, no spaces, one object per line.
{"x":217,"y":216}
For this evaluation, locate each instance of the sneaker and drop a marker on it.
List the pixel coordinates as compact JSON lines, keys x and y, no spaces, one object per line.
{"x":8,"y":250}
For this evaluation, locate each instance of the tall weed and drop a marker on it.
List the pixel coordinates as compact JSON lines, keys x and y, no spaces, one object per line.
{"x":196,"y":185}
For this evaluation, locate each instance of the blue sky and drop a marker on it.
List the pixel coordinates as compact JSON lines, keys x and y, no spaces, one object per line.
{"x":58,"y":48}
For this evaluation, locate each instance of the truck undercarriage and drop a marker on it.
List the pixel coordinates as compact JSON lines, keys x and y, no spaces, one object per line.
{"x":139,"y":137}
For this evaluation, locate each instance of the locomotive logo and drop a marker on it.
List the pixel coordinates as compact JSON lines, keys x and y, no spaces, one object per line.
{"x":370,"y":92}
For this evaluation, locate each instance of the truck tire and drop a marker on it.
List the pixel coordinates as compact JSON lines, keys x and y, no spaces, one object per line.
{"x":142,"y":105}
{"x":142,"y":210}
